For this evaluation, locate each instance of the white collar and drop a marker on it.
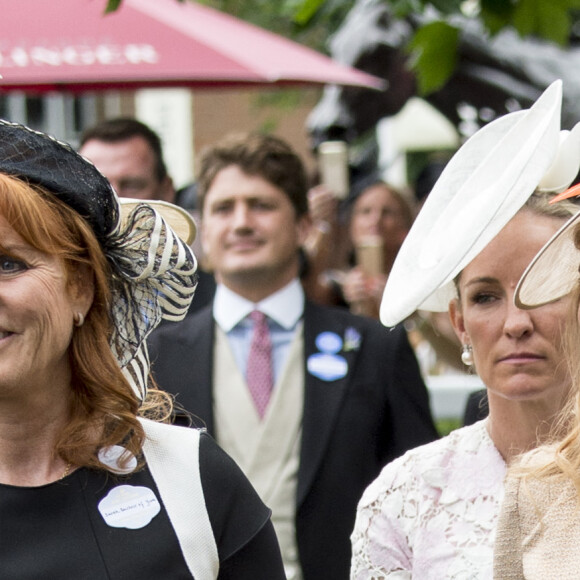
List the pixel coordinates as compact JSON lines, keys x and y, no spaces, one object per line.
{"x":284,"y":306}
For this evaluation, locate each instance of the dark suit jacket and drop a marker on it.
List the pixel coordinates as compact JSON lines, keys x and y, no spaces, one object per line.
{"x":476,"y":407}
{"x":204,"y":292}
{"x":351,"y":427}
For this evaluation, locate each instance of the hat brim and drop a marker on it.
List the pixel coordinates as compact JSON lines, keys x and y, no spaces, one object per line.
{"x":480,"y":190}
{"x":180,"y":221}
{"x":553,"y":272}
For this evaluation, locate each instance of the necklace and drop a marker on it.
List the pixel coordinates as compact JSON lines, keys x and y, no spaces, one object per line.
{"x":66,"y":471}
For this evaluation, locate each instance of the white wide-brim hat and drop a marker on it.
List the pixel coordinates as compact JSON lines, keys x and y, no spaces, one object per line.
{"x":480,"y":190}
{"x":553,"y":272}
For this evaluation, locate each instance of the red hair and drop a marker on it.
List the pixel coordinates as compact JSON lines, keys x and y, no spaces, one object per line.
{"x":103,"y":407}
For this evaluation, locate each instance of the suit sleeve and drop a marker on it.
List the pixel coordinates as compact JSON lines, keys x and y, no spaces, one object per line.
{"x":410,"y":413}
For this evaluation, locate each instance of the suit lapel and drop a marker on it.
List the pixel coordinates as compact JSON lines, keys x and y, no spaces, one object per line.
{"x":192,"y":355}
{"x":322,"y":399}
{"x":204,"y":378}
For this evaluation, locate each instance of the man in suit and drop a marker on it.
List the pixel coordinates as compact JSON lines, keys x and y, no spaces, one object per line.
{"x":129,"y":154}
{"x":346,"y":394}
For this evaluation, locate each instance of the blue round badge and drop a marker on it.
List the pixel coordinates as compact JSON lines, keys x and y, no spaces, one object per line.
{"x":328,"y":342}
{"x":327,"y":367}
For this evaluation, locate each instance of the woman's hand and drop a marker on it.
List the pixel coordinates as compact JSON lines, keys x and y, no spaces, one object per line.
{"x":322,"y":205}
{"x":363,"y":293}
{"x":354,"y":286}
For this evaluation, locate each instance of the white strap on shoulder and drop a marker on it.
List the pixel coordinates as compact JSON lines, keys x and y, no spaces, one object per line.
{"x":172,"y":455}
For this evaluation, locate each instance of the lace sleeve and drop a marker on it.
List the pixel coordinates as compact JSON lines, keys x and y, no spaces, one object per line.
{"x":431,"y":514}
{"x":380,"y":543}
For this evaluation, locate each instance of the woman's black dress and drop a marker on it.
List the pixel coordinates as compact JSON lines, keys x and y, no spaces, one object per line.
{"x":57,"y":531}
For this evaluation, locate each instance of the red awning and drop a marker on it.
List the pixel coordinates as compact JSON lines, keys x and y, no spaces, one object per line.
{"x":72,"y":45}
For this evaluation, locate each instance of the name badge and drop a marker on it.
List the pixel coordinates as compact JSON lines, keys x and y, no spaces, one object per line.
{"x":328,"y":342}
{"x":327,"y":367}
{"x":129,"y":506}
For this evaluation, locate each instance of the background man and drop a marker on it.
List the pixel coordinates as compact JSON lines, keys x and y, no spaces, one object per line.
{"x":128,"y":153}
{"x":310,"y":401}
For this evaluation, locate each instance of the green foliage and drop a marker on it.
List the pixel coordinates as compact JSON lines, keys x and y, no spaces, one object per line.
{"x":306,"y":10}
{"x":548,"y":19}
{"x":446,"y":6}
{"x":495,"y":14}
{"x":434,"y":54}
{"x":315,"y":20}
{"x":445,"y":426}
{"x":536,"y":17}
{"x":112,"y":5}
{"x":433,"y":48}
{"x":309,"y":22}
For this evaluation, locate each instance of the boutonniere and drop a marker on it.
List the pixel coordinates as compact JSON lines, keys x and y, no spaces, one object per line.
{"x":352,"y":339}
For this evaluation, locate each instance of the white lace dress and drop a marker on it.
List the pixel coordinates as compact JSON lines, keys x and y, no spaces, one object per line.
{"x":431,"y":514}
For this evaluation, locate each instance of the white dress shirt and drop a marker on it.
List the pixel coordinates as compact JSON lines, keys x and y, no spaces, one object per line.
{"x":284,"y":310}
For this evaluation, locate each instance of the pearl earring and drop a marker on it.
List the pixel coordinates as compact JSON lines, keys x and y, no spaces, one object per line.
{"x":467,"y":355}
{"x":78,"y":319}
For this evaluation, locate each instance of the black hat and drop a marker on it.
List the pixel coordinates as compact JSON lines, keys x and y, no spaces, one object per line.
{"x":41,"y":160}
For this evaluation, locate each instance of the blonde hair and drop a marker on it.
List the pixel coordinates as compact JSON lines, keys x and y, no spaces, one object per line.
{"x":103,"y":407}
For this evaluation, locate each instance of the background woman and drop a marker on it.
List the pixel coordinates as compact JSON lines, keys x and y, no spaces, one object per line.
{"x":349,"y":263}
{"x":379,"y":221}
{"x":96,"y":490}
{"x":432,"y":513}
